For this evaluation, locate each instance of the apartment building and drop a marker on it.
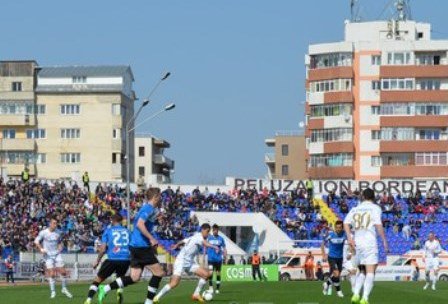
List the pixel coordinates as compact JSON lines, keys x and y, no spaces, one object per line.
{"x":151,"y":163}
{"x":288,"y":159}
{"x":62,"y":121}
{"x":377,"y":103}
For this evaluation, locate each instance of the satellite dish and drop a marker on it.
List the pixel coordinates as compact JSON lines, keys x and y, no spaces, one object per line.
{"x":301,"y":124}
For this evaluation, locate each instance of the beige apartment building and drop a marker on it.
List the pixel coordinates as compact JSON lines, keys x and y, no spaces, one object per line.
{"x":151,"y":163}
{"x":288,"y":159}
{"x":62,"y":121}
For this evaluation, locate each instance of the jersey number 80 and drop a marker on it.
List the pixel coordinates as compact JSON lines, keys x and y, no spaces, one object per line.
{"x":362,"y":220}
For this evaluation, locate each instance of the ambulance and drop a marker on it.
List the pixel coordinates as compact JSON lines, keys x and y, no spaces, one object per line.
{"x":291,"y":264}
{"x":419,"y":257}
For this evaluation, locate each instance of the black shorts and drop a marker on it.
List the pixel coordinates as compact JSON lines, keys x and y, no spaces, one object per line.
{"x":141,"y":257}
{"x":109,"y":267}
{"x":215,"y":266}
{"x":335,"y":264}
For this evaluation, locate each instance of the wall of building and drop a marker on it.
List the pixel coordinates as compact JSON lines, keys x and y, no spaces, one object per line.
{"x":295,"y":160}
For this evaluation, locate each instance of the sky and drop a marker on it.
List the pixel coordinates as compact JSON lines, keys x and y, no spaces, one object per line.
{"x":237,"y":65}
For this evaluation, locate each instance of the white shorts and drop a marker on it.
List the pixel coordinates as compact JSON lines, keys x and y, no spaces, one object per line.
{"x":180,"y":265}
{"x":432,"y":264}
{"x":367,"y":255}
{"x":350,"y":265}
{"x":52,"y":261}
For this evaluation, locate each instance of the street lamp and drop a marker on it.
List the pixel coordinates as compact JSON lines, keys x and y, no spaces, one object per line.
{"x":128,"y":129}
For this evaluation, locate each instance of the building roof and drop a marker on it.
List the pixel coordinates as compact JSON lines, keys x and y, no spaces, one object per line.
{"x":88,"y":71}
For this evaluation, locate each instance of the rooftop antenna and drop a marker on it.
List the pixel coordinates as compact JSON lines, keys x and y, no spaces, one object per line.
{"x":355,"y":8}
{"x":403,"y":10}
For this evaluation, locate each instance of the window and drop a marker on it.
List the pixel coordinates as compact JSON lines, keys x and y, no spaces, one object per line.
{"x":141,"y":171}
{"x":9,"y":133}
{"x":331,"y":60}
{"x":115,"y":156}
{"x":430,"y":158}
{"x":399,"y":58}
{"x":396,"y":159}
{"x":397,"y":134}
{"x":376,"y":135}
{"x":116,"y":133}
{"x":41,"y":158}
{"x":329,"y":135}
{"x":331,"y":110}
{"x":376,"y":59}
{"x":331,"y":160}
{"x":79,"y":79}
{"x":375,"y":110}
{"x":428,"y":134}
{"x":285,"y":150}
{"x":70,"y":133}
{"x":376,"y":85}
{"x":428,"y":59}
{"x":376,"y":161}
{"x":70,"y":109}
{"x":333,"y":85}
{"x":141,"y":151}
{"x":36,"y":133}
{"x":116,"y":109}
{"x":40,"y":109}
{"x":285,"y":170}
{"x":70,"y":158}
{"x":397,"y":84}
{"x":16,"y":86}
{"x":428,"y":84}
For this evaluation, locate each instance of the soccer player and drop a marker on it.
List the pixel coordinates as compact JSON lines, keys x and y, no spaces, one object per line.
{"x":51,"y":248}
{"x":365,"y":221}
{"x":336,"y":240}
{"x":215,"y":259}
{"x":114,"y":242}
{"x":432,"y":250}
{"x":143,"y":248}
{"x":186,"y":261}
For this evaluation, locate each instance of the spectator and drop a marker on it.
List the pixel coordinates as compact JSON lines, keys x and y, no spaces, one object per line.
{"x":231,"y":261}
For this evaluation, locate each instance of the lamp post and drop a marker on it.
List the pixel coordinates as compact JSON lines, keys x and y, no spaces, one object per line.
{"x":128,"y":130}
{"x":168,"y":107}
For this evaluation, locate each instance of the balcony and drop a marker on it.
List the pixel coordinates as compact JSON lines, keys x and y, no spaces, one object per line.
{"x":117,"y":145}
{"x":339,"y":147}
{"x":17,"y":120}
{"x":270,"y":142}
{"x":415,"y":96}
{"x":162,"y":160}
{"x":331,"y":172}
{"x":269,"y":158}
{"x":411,"y":171}
{"x":432,"y":121}
{"x":414,"y":71}
{"x":330,"y":73}
{"x":17,"y":144}
{"x":159,"y":179}
{"x":406,"y":146}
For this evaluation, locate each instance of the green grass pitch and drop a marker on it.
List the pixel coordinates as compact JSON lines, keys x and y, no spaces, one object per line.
{"x":239,"y":293}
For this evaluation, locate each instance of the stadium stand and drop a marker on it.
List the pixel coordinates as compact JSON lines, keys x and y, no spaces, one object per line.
{"x":26,"y":208}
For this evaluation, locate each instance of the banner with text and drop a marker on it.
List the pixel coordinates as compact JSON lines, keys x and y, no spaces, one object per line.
{"x":325,"y":186}
{"x":243,"y":273}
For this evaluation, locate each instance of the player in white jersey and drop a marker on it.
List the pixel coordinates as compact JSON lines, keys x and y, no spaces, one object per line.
{"x":186,"y":261}
{"x":365,"y":221}
{"x":432,"y":249}
{"x":48,"y":243}
{"x":350,"y":265}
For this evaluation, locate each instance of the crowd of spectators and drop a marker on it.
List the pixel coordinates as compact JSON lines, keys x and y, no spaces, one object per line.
{"x":25,"y":208}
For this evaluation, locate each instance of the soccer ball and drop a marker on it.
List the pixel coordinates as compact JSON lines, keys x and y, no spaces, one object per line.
{"x":207,"y":295}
